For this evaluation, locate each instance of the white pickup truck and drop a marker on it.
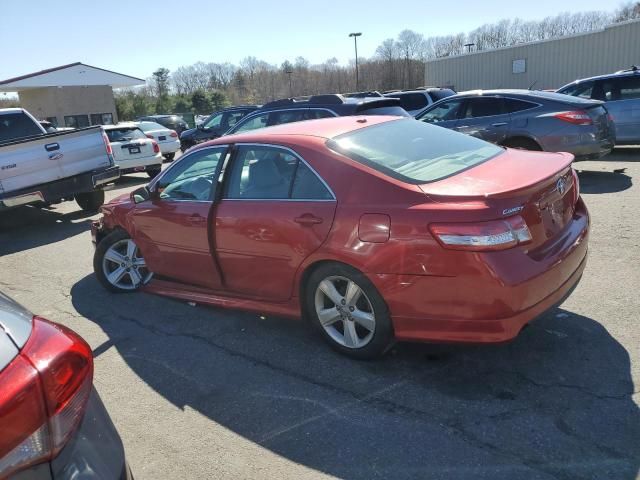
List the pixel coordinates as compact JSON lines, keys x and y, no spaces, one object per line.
{"x":38,"y":168}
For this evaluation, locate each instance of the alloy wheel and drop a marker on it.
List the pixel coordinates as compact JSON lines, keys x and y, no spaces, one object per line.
{"x":345,"y":312}
{"x":124,"y":267}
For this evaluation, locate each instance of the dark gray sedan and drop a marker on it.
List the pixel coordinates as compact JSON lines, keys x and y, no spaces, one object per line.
{"x":530,"y":120}
{"x":53,"y":424}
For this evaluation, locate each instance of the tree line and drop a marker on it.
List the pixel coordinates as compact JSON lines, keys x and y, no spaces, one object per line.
{"x":397,"y":63}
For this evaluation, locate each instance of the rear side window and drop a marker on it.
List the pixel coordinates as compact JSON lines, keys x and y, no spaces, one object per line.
{"x":414,"y":152}
{"x":412,"y":101}
{"x":315,"y":113}
{"x":511,"y":105}
{"x":286,"y":116}
{"x":482,"y":107}
{"x":440,"y":94}
{"x":125,"y":134}
{"x":307,"y":185}
{"x":17,"y":125}
{"x":582,"y":90}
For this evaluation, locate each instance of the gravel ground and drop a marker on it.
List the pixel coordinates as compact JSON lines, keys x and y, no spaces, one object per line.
{"x":210,"y":393}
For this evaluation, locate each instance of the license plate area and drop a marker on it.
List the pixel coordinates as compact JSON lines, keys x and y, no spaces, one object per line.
{"x":162,"y":138}
{"x":134,"y":150}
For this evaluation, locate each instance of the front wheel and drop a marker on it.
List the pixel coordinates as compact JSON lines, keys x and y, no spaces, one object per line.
{"x":348,"y":311}
{"x":90,"y":201}
{"x":119,"y":265}
{"x":169,"y":157}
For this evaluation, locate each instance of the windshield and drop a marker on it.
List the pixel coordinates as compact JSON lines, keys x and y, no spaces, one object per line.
{"x":125,"y":134}
{"x":413,"y":151}
{"x":151,"y":126}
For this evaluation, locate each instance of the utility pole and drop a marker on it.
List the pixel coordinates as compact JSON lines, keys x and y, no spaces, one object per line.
{"x":355,"y":36}
{"x":289,"y":72}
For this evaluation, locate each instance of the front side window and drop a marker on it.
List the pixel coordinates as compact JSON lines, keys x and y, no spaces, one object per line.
{"x":629,"y":88}
{"x":262,"y":172}
{"x":414,"y":152}
{"x":444,"y":112}
{"x":482,"y":107}
{"x":253,"y":123}
{"x":193,"y":177}
{"x":213,"y":122}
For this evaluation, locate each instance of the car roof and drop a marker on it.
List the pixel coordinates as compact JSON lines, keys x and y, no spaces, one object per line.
{"x":621,"y":73}
{"x":521,"y":93}
{"x":322,"y":128}
{"x":335,"y":102}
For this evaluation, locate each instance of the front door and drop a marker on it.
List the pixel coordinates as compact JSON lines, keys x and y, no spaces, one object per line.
{"x":172,"y":229}
{"x":274,"y":213}
{"x":484,"y":117}
{"x":622,"y":96}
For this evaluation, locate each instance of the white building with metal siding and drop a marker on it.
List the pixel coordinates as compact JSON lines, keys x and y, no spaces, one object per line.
{"x":544,"y":64}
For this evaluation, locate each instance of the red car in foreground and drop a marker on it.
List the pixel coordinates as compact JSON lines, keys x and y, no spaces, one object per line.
{"x":375,"y":228}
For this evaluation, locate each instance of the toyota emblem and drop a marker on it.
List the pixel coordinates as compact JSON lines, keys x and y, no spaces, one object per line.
{"x":561,"y":186}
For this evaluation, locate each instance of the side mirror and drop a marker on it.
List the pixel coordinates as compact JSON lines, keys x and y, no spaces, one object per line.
{"x":141,"y":194}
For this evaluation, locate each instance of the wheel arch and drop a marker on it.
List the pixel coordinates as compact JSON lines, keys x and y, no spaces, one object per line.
{"x":522,"y":138}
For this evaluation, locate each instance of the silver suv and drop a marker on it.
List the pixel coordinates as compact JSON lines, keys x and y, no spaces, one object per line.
{"x":621,"y":93}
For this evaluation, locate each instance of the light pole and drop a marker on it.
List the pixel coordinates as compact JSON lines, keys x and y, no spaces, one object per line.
{"x":355,"y":36}
{"x":289,"y":72}
{"x":469,"y":45}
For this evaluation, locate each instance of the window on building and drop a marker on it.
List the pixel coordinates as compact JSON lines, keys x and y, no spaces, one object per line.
{"x":102,"y":119}
{"x":76,"y":121}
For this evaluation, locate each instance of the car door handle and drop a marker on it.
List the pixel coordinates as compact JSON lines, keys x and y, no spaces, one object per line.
{"x":197,"y":219}
{"x":50,"y":147}
{"x":499,"y":124}
{"x":308,"y":220}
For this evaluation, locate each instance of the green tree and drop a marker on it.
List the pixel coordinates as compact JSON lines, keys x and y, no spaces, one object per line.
{"x":183,"y":104}
{"x":201,"y":102}
{"x":218,"y":100}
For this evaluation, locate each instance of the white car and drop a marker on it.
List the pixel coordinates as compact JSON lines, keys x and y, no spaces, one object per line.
{"x":168,"y":139}
{"x":133,"y":151}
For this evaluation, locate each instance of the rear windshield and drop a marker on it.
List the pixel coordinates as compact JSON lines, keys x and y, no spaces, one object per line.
{"x":413,"y":151}
{"x":125,"y":134}
{"x":17,"y":125}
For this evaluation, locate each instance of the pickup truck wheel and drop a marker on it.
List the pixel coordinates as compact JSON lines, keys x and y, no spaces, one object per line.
{"x":153,"y":172}
{"x":91,"y":201}
{"x":169,"y":157}
{"x":119,"y":265}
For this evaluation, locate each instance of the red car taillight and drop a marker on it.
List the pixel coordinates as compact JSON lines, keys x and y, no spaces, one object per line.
{"x":107,"y":143}
{"x":482,"y":236}
{"x":156,"y":147}
{"x":43,"y":396}
{"x":577,"y":117}
{"x":576,"y":185}
{"x":173,"y":134}
{"x":150,"y":136}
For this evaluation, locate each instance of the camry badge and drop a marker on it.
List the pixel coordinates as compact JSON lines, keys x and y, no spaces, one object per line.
{"x":509,"y":211}
{"x":561,"y":186}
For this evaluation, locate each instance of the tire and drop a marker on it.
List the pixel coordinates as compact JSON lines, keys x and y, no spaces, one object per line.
{"x":134,"y":273}
{"x":522,"y":144}
{"x":366,"y":316}
{"x":153,"y":172}
{"x":184,"y":146}
{"x":91,"y":201}
{"x":169,"y":157}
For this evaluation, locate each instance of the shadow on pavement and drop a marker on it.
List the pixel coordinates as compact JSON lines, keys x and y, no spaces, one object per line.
{"x":596,"y":181}
{"x":24,"y":228}
{"x":626,"y":153}
{"x":555,"y":403}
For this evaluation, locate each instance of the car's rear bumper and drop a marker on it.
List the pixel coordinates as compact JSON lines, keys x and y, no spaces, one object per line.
{"x":494,"y":300}
{"x":139,"y":164}
{"x":583,"y":145}
{"x":169,"y":146}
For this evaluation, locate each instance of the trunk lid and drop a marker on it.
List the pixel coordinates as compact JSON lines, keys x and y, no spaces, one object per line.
{"x":540,"y":187}
{"x":133,"y":149}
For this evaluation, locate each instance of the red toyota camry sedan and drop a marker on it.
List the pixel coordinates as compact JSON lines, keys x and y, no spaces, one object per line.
{"x":374,"y":228}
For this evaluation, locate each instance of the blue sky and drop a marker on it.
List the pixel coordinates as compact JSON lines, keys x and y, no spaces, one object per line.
{"x":137,"y":37}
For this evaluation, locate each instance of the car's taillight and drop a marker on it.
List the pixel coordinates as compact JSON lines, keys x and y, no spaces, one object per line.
{"x":482,"y":236}
{"x":156,"y":147}
{"x":43,"y":396}
{"x":107,"y":143}
{"x":577,"y":117}
{"x":173,"y":134}
{"x":150,"y":136}
{"x":576,"y":185}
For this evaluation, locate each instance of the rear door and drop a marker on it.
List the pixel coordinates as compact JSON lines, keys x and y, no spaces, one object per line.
{"x":622,"y":97}
{"x":172,"y":230}
{"x":274,"y":213}
{"x":484,"y":117}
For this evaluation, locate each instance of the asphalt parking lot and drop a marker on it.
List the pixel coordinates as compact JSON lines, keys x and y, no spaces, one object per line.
{"x":210,"y":393}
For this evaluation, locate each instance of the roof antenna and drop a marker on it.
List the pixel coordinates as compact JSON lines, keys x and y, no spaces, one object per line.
{"x":531,"y":86}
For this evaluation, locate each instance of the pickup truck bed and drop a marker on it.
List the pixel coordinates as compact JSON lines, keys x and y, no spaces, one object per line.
{"x":51,"y":167}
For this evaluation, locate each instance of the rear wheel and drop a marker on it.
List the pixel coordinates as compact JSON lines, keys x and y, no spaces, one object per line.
{"x":90,"y":201}
{"x":119,"y":265}
{"x":153,"y":172}
{"x":348,"y":311}
{"x":522,"y":144}
{"x":169,"y":157}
